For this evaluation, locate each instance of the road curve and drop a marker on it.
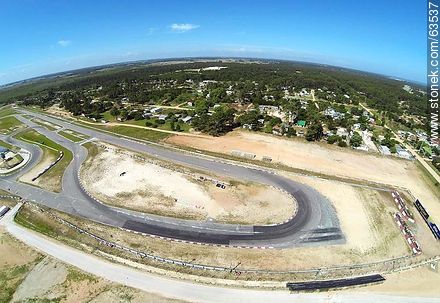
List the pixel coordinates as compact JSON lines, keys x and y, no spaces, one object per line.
{"x":315,"y":221}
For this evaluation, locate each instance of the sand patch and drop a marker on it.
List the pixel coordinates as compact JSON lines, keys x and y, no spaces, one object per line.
{"x":322,"y":158}
{"x":121,"y":178}
{"x":46,"y":160}
{"x":41,"y":280}
{"x":13,"y":252}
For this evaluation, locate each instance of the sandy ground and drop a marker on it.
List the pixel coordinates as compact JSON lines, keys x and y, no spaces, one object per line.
{"x":149,"y":186}
{"x":352,"y":210}
{"x":46,"y":160}
{"x":421,"y":282}
{"x":44,"y":276}
{"x":322,"y":158}
{"x":14,"y":253}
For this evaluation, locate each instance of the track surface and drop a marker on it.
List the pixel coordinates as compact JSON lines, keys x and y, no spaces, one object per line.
{"x":315,"y":221}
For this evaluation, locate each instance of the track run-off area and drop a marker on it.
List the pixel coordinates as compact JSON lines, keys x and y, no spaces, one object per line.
{"x":314,"y":222}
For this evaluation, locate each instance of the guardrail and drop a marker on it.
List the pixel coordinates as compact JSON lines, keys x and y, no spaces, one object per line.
{"x":383,"y":266}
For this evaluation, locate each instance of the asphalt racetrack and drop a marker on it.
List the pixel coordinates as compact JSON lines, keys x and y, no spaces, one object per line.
{"x":314,"y":223}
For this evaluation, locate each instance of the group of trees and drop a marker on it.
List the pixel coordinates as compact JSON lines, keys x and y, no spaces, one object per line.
{"x":92,"y":93}
{"x":217,"y":122}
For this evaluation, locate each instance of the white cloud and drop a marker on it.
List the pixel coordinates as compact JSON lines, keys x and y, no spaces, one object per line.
{"x":64,"y":43}
{"x":182,"y":27}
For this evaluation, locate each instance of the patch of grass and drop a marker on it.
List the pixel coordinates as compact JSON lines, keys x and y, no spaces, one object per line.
{"x":10,"y":279}
{"x":8,"y":124}
{"x":138,"y":133}
{"x":92,"y":149}
{"x":43,"y":300}
{"x":56,"y":172}
{"x":6,"y":145}
{"x":78,"y":276}
{"x":47,"y":125}
{"x":26,"y":218}
{"x":7,"y":111}
{"x":70,"y":136}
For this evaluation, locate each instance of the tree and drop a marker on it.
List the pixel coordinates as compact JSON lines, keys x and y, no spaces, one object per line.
{"x":332,"y":139}
{"x":219,"y":123}
{"x":290,"y":132}
{"x":114,"y":112}
{"x":342,"y":143}
{"x":314,"y":132}
{"x":251,"y":118}
{"x":356,"y":140}
{"x":138,"y":116}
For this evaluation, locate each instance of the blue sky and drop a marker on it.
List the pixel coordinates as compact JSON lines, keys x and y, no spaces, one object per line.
{"x":41,"y":37}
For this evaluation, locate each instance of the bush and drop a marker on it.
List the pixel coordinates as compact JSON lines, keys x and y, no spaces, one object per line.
{"x":342,"y":143}
{"x":333,"y":138}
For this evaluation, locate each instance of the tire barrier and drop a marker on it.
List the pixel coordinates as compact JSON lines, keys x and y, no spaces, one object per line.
{"x":49,"y":167}
{"x":425,"y":215}
{"x":315,"y":285}
{"x":407,"y":234}
{"x":3,"y":210}
{"x":403,"y":209}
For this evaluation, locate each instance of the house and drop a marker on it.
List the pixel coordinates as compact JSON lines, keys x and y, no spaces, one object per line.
{"x":247,"y":126}
{"x":385,"y":150}
{"x":277,"y":130}
{"x":156,"y":110}
{"x":3,"y":152}
{"x":274,"y":111}
{"x":186,"y":119}
{"x":334,"y":114}
{"x":304,"y":103}
{"x":147,"y":115}
{"x":9,"y":155}
{"x":403,"y":153}
{"x":301,"y":123}
{"x":342,"y":131}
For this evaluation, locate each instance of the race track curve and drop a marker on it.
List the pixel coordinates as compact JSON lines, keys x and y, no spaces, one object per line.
{"x":314,"y":223}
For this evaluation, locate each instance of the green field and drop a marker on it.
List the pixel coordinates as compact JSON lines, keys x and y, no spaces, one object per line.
{"x":54,"y":175}
{"x":9,"y":124}
{"x":6,"y":145}
{"x":6,"y":111}
{"x":138,"y":133}
{"x":47,"y":125}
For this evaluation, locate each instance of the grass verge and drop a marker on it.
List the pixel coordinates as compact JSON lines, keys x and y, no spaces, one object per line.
{"x":53,"y":177}
{"x":137,"y":133}
{"x":9,"y":124}
{"x":71,"y":136}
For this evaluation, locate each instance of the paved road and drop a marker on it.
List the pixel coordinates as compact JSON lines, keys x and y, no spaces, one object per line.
{"x":181,"y":289}
{"x":315,"y":221}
